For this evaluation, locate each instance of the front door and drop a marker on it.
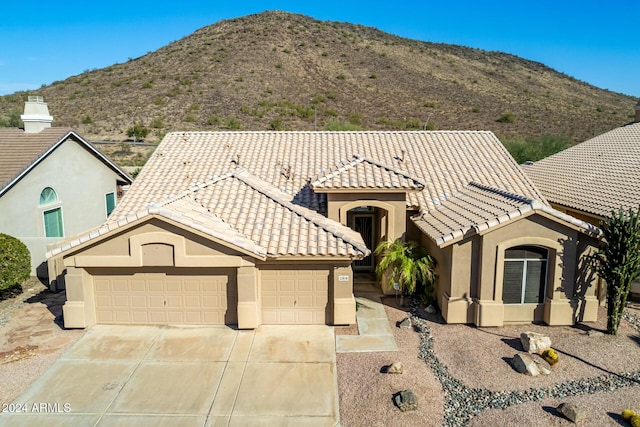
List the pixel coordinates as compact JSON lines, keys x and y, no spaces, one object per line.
{"x":363,"y":224}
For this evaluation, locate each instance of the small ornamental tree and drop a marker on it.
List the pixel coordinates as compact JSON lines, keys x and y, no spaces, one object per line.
{"x":15,"y":262}
{"x":138,"y":132}
{"x":407,"y":264}
{"x":618,"y":261}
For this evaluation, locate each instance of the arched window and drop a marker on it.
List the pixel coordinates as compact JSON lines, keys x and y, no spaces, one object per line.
{"x":525,"y":275}
{"x":48,"y":195}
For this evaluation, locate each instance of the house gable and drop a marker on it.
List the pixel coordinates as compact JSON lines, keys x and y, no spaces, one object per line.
{"x":23,"y":152}
{"x":156,"y":242}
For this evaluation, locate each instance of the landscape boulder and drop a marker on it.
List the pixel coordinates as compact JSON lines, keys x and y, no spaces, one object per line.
{"x":571,"y":412}
{"x":395,"y":368}
{"x":406,"y":400}
{"x":543,"y":366}
{"x":533,"y":342}
{"x":531,"y":364}
{"x":523,"y":363}
{"x":405,"y":324}
{"x":431,"y":309}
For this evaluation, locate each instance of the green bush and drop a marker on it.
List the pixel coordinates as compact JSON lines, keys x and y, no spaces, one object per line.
{"x":337,"y":125}
{"x":507,"y":117}
{"x":534,"y":149}
{"x":233,"y":124}
{"x":277,"y":124}
{"x":140,"y":132}
{"x":15,"y":262}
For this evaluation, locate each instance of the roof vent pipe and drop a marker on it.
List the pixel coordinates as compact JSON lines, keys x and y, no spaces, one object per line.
{"x":36,"y":115}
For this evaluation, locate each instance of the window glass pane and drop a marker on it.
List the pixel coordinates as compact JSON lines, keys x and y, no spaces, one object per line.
{"x":53,"y":223}
{"x":536,"y":253}
{"x":519,"y":253}
{"x":111,"y":203}
{"x":534,"y":290}
{"x":512,"y":282}
{"x":48,"y":195}
{"x":528,"y":252}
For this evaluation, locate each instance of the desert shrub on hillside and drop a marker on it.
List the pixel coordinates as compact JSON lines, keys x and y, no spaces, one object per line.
{"x":534,"y":149}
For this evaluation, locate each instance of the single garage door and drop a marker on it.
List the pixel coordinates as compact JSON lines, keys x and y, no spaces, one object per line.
{"x":294,"y":296}
{"x":203,"y":298}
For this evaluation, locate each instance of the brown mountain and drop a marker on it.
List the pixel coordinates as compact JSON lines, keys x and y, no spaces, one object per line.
{"x":273,"y":69}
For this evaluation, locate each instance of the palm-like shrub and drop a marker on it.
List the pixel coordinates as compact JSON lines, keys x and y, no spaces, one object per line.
{"x":407,"y":264}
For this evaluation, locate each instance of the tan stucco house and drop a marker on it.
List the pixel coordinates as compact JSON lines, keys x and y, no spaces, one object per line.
{"x":254,"y":228}
{"x":595,"y":177}
{"x":53,"y":183}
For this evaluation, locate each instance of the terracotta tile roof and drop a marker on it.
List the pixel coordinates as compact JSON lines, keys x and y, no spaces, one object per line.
{"x":445,"y":161}
{"x":21,"y":151}
{"x":238,"y":208}
{"x":596,"y":176}
{"x":268,"y":217}
{"x":269,"y":196}
{"x":478,"y":208}
{"x":365,"y":174}
{"x":183,"y":210}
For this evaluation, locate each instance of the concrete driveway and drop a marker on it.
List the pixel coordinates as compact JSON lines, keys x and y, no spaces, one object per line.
{"x":187,"y":376}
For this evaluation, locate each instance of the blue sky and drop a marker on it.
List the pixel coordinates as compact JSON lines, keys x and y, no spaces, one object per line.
{"x":594,"y":41}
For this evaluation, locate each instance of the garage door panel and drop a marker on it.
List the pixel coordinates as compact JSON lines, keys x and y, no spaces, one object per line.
{"x":123,"y":316}
{"x":294,"y":296}
{"x":306,"y":301}
{"x":156,"y":301}
{"x":157,"y":317}
{"x":140,"y":317}
{"x":155,"y":285}
{"x":139,"y":301}
{"x":137,"y":286}
{"x":188,"y":299}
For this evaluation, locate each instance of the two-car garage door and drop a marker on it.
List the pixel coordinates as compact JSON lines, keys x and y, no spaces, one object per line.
{"x":203,"y":297}
{"x":295,"y":295}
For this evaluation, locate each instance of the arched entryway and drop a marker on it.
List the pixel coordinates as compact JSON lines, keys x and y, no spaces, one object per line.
{"x":372,"y":222}
{"x":363,"y":220}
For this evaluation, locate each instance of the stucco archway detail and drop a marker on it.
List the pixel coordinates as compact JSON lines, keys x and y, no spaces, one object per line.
{"x":393,"y":231}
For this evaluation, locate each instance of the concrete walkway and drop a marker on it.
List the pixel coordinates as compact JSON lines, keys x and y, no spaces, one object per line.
{"x":187,"y":376}
{"x":374,"y":332}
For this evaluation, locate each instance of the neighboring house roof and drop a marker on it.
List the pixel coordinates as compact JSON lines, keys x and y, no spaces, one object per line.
{"x":21,"y":151}
{"x":261,"y":184}
{"x":596,"y":176}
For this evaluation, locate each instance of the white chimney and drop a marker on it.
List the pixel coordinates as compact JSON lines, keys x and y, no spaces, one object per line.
{"x":638,"y":111}
{"x":36,"y":115}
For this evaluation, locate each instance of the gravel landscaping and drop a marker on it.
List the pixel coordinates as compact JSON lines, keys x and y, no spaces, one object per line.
{"x":465,"y":377}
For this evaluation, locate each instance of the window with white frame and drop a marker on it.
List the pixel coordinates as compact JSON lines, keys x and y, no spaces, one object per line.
{"x":525,"y":275}
{"x":52,"y":217}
